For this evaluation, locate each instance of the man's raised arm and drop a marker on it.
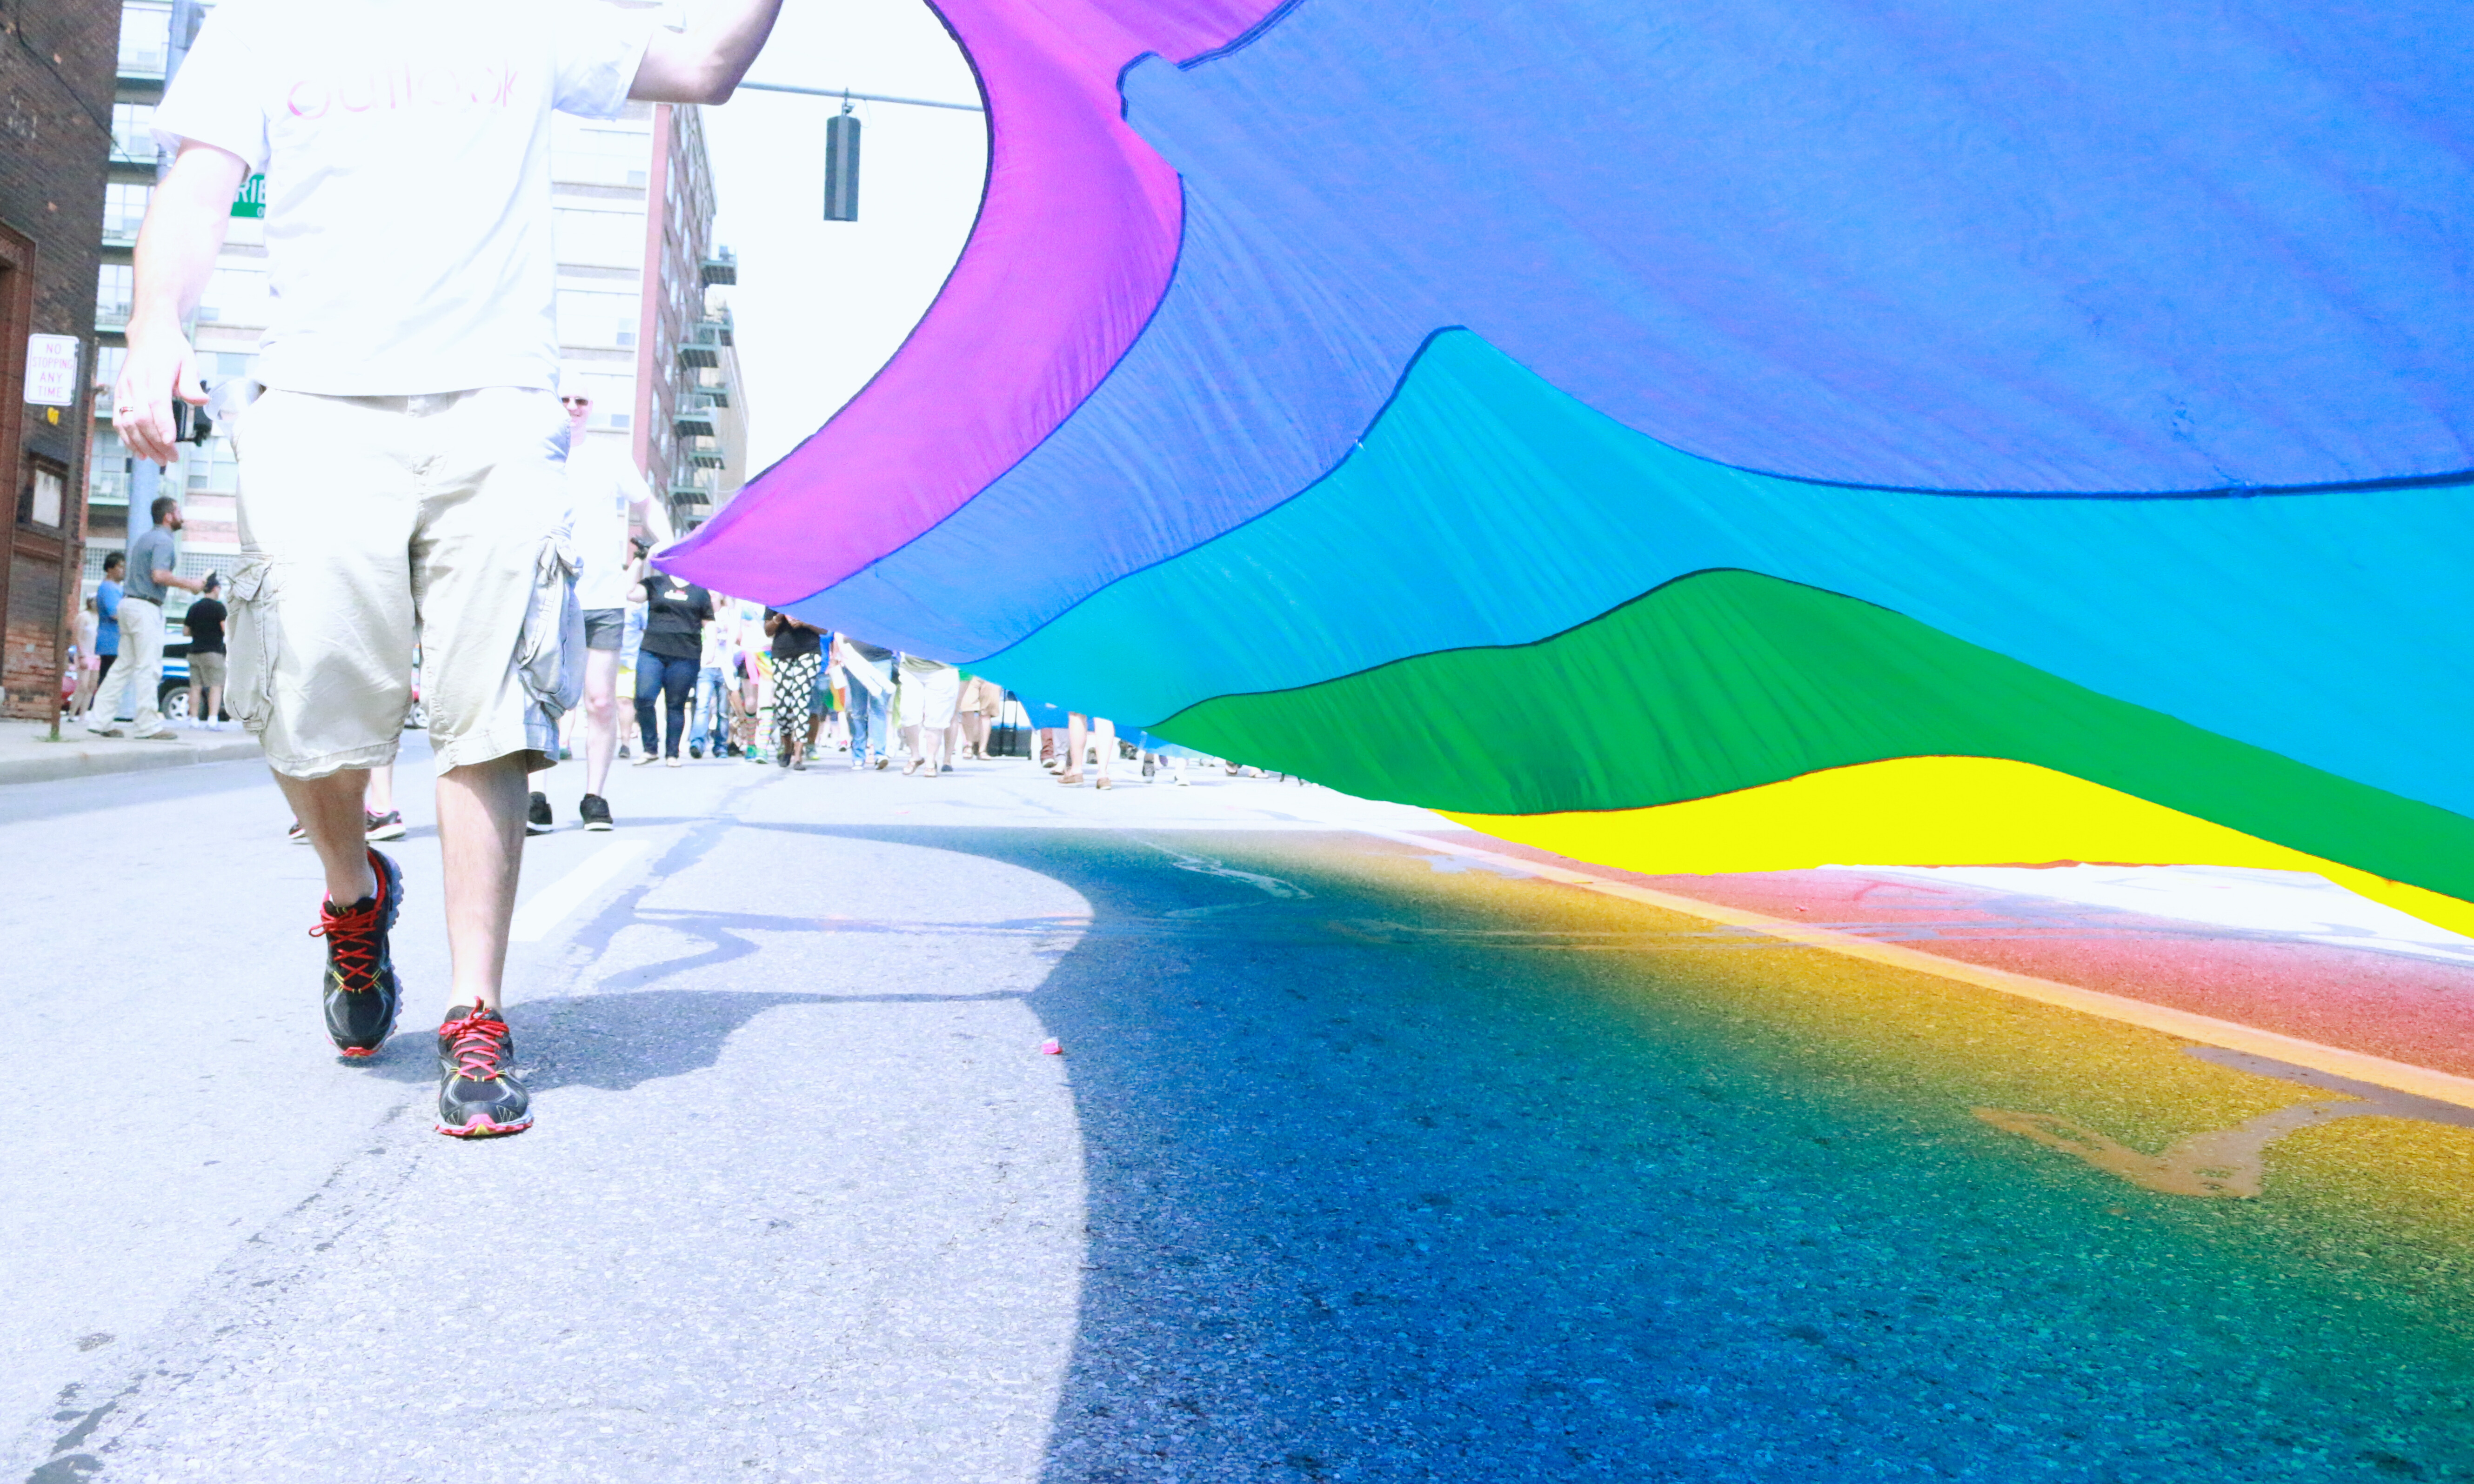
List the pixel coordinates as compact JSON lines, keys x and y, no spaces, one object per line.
{"x":704,"y":65}
{"x":175,"y":254}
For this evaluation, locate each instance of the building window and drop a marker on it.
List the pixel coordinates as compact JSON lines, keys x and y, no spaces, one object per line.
{"x":213,"y":467}
{"x":589,"y":317}
{"x":106,"y":470}
{"x":124,"y":209}
{"x":619,"y":421}
{"x":606,"y":239}
{"x":133,"y":132}
{"x":145,"y":37}
{"x":45,"y":495}
{"x":114,"y":287}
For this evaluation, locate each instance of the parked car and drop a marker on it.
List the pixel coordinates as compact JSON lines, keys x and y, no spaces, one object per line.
{"x":171,"y":697}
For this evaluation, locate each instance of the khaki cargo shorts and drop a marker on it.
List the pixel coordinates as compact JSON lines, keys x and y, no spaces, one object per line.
{"x":373,"y":524}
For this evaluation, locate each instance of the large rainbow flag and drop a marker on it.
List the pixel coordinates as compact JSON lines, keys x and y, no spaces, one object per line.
{"x":1711,"y":436}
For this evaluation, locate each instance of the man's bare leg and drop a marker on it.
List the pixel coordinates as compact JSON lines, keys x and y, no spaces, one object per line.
{"x":600,"y":716}
{"x":329,"y":812}
{"x":1075,"y":738}
{"x":482,"y":834}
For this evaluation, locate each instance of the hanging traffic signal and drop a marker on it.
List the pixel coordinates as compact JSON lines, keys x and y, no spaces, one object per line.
{"x":841,"y":167}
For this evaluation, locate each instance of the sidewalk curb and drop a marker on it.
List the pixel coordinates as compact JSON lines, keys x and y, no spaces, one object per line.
{"x":90,"y":757}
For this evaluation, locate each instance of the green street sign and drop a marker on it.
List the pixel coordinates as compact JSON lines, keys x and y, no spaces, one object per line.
{"x":251,"y":199}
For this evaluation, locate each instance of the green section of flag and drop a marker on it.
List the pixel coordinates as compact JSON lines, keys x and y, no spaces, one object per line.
{"x":1728,"y":680}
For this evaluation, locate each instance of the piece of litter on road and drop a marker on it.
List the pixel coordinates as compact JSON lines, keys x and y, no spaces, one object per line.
{"x":1050,"y":1047}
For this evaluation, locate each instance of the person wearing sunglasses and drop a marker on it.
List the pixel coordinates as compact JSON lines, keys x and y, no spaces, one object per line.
{"x":611,"y":510}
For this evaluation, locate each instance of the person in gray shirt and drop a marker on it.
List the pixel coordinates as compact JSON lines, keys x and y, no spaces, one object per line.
{"x":153,"y":562}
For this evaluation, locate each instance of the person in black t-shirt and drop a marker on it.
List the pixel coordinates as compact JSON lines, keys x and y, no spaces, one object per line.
{"x":676,"y":613}
{"x":206,"y":624}
{"x":798,"y":659}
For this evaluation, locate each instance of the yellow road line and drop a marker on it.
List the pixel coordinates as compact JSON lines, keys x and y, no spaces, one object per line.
{"x":2207,"y":1030}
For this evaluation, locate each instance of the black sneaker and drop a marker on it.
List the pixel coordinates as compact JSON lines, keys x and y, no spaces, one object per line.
{"x":695,"y":750}
{"x":361,"y":991}
{"x":537,"y":819}
{"x":478,"y":1094}
{"x":594,"y":811}
{"x":383,"y":827}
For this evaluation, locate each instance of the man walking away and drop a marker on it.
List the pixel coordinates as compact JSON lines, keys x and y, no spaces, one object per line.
{"x":106,"y":639}
{"x":408,"y":457}
{"x":205,"y":622}
{"x":710,"y":727}
{"x":612,"y":504}
{"x":153,"y":560}
{"x":90,"y":633}
{"x":869,"y":668}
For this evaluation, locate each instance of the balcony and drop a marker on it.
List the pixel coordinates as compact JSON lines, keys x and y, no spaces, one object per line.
{"x":708,"y":458}
{"x":111,"y":317}
{"x":701,"y":350}
{"x":722,"y":267}
{"x":693,"y":421}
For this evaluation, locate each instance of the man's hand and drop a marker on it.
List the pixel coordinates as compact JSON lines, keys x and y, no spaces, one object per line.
{"x":704,"y":65}
{"x":175,"y":253}
{"x":160,"y":367}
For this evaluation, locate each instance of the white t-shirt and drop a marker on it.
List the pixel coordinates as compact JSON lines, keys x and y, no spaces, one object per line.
{"x":406,"y":151}
{"x":601,"y":485}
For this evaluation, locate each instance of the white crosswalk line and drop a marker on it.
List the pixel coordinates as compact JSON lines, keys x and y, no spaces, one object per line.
{"x":547,"y":908}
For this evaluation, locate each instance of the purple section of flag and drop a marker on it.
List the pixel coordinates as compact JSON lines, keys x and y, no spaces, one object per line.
{"x":1076,"y":237}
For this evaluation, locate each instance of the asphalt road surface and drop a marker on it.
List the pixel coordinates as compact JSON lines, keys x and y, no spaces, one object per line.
{"x":1362,"y":1163}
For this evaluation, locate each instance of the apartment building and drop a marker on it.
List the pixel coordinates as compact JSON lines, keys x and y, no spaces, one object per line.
{"x":642,"y":323}
{"x":644,"y":316}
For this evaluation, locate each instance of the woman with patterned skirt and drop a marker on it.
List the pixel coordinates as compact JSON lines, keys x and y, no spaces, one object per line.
{"x":797,"y":651}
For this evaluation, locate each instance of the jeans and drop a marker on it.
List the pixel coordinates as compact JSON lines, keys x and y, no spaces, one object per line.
{"x":713,"y":722}
{"x":868,"y":719}
{"x":670,"y":680}
{"x":140,"y":669}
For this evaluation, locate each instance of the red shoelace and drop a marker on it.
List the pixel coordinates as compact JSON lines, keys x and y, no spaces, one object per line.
{"x":352,"y":944}
{"x":478,"y":1042}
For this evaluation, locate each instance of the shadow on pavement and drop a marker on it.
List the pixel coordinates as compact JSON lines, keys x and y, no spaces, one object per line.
{"x":1430,"y":1210}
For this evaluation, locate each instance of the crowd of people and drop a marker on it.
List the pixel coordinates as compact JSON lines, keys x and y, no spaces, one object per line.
{"x":717,"y":677}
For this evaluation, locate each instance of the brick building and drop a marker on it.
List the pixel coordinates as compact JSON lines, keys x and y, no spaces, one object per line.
{"x":57,"y":68}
